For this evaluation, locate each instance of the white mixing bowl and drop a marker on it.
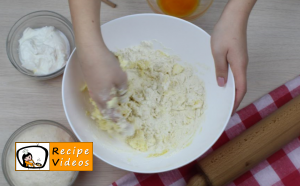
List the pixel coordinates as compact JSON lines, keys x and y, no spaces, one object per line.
{"x":192,"y":45}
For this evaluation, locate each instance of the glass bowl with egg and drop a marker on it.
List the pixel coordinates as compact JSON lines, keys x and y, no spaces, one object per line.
{"x":185,"y":9}
{"x":40,"y":43}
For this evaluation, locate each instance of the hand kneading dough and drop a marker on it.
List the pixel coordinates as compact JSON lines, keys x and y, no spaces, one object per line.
{"x":164,"y":101}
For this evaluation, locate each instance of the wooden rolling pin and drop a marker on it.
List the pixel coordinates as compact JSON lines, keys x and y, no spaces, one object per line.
{"x":250,"y":148}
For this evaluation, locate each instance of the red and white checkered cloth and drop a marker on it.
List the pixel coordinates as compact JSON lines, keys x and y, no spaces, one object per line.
{"x":281,"y":169}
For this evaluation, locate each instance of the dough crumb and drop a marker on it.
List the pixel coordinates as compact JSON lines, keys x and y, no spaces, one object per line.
{"x":177,"y":69}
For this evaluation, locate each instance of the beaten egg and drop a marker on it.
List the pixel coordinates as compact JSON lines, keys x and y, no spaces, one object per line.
{"x":178,"y":8}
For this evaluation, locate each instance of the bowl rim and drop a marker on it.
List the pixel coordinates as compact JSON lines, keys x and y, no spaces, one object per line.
{"x":168,"y":169}
{"x":15,"y":27}
{"x":20,"y":130}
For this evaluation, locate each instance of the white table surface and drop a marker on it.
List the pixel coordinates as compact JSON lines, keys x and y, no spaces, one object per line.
{"x":274,"y":53}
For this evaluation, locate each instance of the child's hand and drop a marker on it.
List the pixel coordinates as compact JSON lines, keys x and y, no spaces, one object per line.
{"x":102,"y":72}
{"x":100,"y":67}
{"x":229,"y":46}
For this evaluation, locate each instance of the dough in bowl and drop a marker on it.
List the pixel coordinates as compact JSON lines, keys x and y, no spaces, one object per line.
{"x":164,"y":102}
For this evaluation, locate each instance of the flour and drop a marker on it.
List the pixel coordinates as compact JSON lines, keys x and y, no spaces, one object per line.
{"x":164,"y":102}
{"x":39,"y":133}
{"x":43,"y":50}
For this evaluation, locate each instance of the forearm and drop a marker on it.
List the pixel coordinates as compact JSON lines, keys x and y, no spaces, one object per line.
{"x":237,"y":12}
{"x":86,"y":22}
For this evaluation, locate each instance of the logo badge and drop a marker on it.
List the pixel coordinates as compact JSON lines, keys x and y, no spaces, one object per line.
{"x":32,"y":156}
{"x":54,"y":156}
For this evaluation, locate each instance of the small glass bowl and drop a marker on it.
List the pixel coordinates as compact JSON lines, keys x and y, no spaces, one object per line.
{"x":22,"y":129}
{"x":201,"y":9}
{"x":37,"y":20}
